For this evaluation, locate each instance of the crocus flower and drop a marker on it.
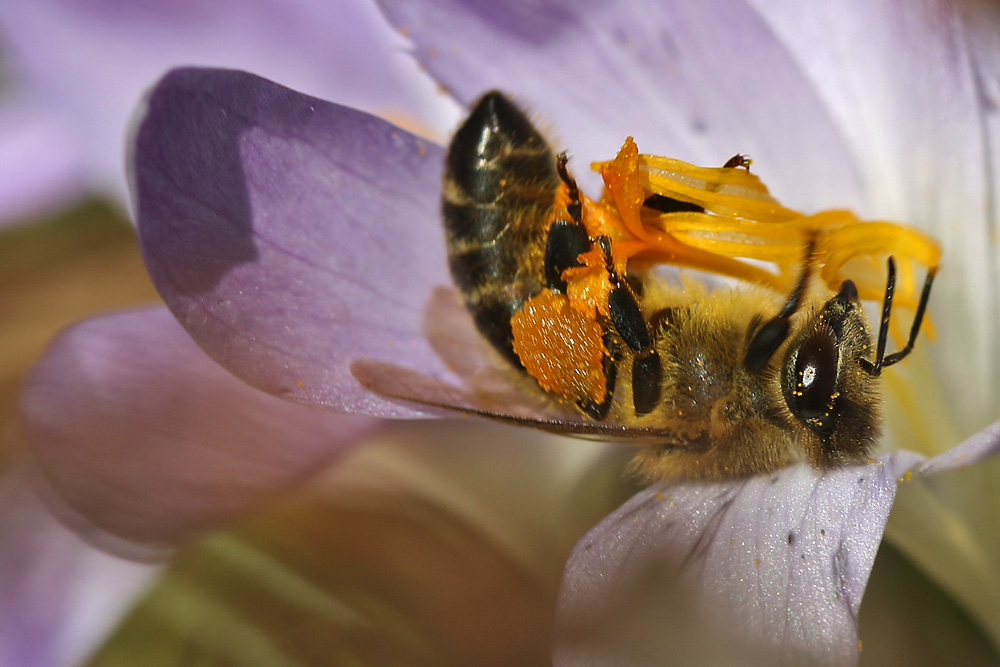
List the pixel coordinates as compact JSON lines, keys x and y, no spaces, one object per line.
{"x":290,"y":237}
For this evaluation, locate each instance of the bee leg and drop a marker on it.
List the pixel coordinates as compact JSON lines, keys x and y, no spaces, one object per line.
{"x":769,"y":337}
{"x":647,"y":373}
{"x":567,"y":239}
{"x":626,"y":316}
{"x":599,"y":411}
{"x":647,"y":369}
{"x":566,"y":242}
{"x":573,"y":207}
{"x":623,"y":306}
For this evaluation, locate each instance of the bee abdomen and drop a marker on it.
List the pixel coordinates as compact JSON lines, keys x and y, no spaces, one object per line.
{"x":499,"y":188}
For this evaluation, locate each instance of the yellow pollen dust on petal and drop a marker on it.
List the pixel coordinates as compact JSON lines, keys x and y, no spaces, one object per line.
{"x":560,"y":347}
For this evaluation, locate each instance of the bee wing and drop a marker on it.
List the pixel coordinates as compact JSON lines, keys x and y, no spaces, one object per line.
{"x":405,"y":384}
{"x":453,"y":336}
{"x":485,"y":390}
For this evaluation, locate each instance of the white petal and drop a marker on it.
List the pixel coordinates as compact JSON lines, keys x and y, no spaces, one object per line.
{"x":774,"y":563}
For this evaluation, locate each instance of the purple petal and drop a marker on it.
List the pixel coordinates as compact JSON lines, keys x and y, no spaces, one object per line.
{"x":289,"y":235}
{"x":776,"y":563}
{"x":972,"y":450}
{"x":82,"y":65}
{"x":59,"y":597}
{"x":142,"y":435}
{"x":699,"y":81}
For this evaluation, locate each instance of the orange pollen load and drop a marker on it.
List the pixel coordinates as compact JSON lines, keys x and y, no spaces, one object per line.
{"x":589,"y":286}
{"x":560,"y":347}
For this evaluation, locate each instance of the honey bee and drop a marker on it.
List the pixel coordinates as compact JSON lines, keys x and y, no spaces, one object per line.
{"x":710,"y":384}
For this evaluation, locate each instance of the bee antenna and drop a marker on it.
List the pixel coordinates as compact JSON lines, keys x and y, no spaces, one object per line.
{"x":770,"y":336}
{"x":881,"y":360}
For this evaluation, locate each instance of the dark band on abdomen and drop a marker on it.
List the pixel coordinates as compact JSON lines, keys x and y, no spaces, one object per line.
{"x":500,"y":186}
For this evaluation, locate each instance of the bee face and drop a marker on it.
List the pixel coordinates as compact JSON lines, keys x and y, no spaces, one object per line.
{"x":732,"y":414}
{"x":825,"y":386}
{"x":712,"y":385}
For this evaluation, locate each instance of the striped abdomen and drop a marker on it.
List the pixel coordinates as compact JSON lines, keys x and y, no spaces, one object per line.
{"x":500,"y":186}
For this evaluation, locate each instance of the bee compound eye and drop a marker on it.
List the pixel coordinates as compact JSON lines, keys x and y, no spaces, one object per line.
{"x":815,"y":380}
